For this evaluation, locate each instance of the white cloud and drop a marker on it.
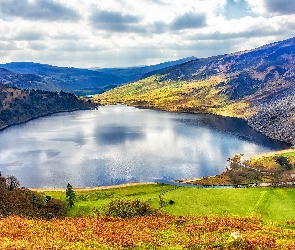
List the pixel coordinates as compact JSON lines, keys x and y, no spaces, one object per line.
{"x":131,"y":32}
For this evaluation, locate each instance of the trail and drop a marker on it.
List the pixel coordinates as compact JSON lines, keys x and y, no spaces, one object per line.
{"x":258,"y":203}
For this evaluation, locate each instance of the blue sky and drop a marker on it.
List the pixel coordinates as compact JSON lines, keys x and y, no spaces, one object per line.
{"x":122,"y":33}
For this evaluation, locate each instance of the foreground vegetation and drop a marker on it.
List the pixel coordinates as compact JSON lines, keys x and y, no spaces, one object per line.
{"x":172,"y":218}
{"x":159,"y":216}
{"x":150,"y":232}
{"x":26,"y":203}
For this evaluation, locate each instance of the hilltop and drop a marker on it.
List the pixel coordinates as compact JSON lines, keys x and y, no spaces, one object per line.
{"x":256,"y":85}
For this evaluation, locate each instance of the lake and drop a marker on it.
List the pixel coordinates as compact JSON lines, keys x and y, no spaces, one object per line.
{"x":119,"y":144}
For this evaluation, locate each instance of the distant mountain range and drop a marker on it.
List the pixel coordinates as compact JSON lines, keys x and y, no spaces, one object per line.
{"x":31,"y":75}
{"x":133,"y":74}
{"x":257,"y":85}
{"x":48,"y":77}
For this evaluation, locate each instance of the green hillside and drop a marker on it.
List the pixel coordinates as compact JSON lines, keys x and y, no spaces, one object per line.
{"x":178,"y":96}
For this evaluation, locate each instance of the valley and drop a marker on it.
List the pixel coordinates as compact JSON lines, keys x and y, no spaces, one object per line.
{"x":255,"y":85}
{"x":147,"y":124}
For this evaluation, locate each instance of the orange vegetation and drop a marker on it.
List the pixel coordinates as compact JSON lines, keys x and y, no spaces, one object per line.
{"x":163,"y":232}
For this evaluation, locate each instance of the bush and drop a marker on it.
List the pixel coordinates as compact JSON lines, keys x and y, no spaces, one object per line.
{"x":54,"y":209}
{"x":284,"y":162}
{"x":129,"y":209}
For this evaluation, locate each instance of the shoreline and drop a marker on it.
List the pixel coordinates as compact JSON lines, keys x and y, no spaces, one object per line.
{"x":80,"y":189}
{"x":256,"y":156}
{"x":41,"y":116}
{"x":270,"y":153}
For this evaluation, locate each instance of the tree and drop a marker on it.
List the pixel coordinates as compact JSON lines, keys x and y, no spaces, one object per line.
{"x":2,"y":182}
{"x":235,"y":162}
{"x":284,"y":162}
{"x":70,"y":195}
{"x":12,"y":182}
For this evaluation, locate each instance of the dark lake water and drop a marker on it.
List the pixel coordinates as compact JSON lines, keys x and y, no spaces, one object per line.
{"x":119,"y":144}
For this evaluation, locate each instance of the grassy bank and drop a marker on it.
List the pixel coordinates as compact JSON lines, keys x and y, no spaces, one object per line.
{"x":269,"y":204}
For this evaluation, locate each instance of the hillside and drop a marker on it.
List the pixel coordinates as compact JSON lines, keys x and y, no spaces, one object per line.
{"x":18,"y":105}
{"x":25,"y":80}
{"x":257,"y":85}
{"x":61,"y":78}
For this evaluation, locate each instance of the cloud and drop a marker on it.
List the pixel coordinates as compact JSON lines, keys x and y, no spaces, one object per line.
{"x":256,"y":32}
{"x":236,"y":9}
{"x":37,"y":46}
{"x":47,"y":10}
{"x":283,"y":7}
{"x":8,"y":46}
{"x":118,"y":33}
{"x":189,"y":21}
{"x":114,"y":21}
{"x":29,"y":36}
{"x":71,"y":46}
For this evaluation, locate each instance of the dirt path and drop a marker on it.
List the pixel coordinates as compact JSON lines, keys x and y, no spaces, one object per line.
{"x":272,"y":153}
{"x":92,"y":188}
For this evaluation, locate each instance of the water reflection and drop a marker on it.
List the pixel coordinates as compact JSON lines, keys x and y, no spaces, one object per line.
{"x":115,"y":134}
{"x":118,"y":144}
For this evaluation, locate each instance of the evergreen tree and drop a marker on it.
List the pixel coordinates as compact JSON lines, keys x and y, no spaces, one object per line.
{"x":70,"y":195}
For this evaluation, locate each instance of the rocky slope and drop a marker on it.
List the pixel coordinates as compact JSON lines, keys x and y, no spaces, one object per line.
{"x":257,"y":85}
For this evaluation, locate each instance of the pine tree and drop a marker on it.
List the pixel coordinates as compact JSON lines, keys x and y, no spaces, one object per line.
{"x":70,"y":195}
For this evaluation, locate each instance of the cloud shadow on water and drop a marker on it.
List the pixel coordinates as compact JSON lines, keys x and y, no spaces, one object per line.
{"x":116,"y":135}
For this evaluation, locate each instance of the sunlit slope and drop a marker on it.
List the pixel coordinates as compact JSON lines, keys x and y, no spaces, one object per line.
{"x":257,"y":85}
{"x":178,"y":96}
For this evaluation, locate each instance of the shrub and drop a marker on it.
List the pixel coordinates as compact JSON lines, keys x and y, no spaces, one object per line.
{"x":129,"y":209}
{"x":55,"y":209}
{"x":284,"y":162}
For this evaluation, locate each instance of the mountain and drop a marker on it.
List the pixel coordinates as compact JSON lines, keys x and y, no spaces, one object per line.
{"x":132,"y":74}
{"x":62,"y":78}
{"x":78,"y":81}
{"x":17,"y":105}
{"x":256,"y":85}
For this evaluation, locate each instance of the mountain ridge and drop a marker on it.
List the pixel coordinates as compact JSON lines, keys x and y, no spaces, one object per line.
{"x":74,"y":80}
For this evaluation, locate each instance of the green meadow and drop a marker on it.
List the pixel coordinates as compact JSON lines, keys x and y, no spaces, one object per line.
{"x":269,"y":204}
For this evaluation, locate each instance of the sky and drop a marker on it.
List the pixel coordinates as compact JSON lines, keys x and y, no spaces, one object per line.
{"x":125,"y":33}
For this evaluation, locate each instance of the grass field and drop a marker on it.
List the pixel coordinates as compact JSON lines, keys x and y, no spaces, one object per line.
{"x":269,"y":204}
{"x":195,"y":218}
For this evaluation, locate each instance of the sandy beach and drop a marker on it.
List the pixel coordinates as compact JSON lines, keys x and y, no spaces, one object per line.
{"x":92,"y":188}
